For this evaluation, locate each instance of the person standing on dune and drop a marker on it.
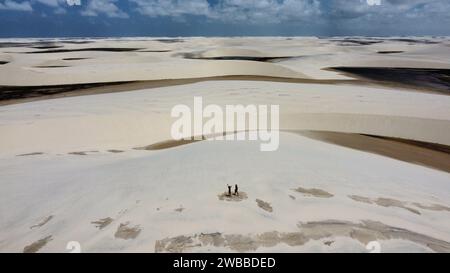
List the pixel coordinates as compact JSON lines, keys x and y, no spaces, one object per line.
{"x":236,"y":190}
{"x":229,"y":190}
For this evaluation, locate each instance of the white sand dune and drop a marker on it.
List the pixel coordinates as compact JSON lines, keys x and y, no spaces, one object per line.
{"x":137,"y":118}
{"x":313,"y":55}
{"x":146,"y":188}
{"x":114,"y":72}
{"x":70,"y":170}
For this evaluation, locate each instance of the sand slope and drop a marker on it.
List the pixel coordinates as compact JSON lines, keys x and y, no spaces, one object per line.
{"x":140,"y":118}
{"x":163,"y":193}
{"x":101,"y":169}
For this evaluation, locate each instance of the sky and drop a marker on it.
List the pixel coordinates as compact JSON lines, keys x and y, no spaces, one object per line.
{"x":172,"y":18}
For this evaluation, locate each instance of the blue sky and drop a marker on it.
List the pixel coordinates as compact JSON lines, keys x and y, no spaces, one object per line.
{"x":58,"y":18}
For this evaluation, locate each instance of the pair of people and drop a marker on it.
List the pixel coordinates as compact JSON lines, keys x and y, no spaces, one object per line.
{"x":236,"y":190}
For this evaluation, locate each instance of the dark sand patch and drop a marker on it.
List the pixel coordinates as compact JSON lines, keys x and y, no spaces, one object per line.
{"x":388,"y":202}
{"x":236,"y":198}
{"x":82,"y":152}
{"x":384,"y":202}
{"x":426,"y":78}
{"x":102,"y":223}
{"x":237,"y":58}
{"x":267,"y":239}
{"x":416,"y":41}
{"x":264,"y":205}
{"x":75,"y":59}
{"x":14,"y":44}
{"x":170,"y":41}
{"x":433,"y":207}
{"x":34,"y":44}
{"x":106,"y":49}
{"x":368,"y":231}
{"x":166,"y":144}
{"x":51,"y":66}
{"x":235,"y":242}
{"x":47,"y":47}
{"x":361,"y":199}
{"x":174,"y":245}
{"x":115,"y":151}
{"x":314,"y":192}
{"x":363,"y":232}
{"x":357,"y":42}
{"x":240,"y":242}
{"x":78,"y":153}
{"x":36,"y":246}
{"x":214,"y":239}
{"x":427,"y":145}
{"x":155,"y":51}
{"x":180,"y":209}
{"x":122,"y":212}
{"x":30,"y":154}
{"x":126,"y":233}
{"x":77,"y":42}
{"x":292,"y":197}
{"x":43,"y":222}
{"x":3,"y":62}
{"x":390,"y":52}
{"x":421,"y":153}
